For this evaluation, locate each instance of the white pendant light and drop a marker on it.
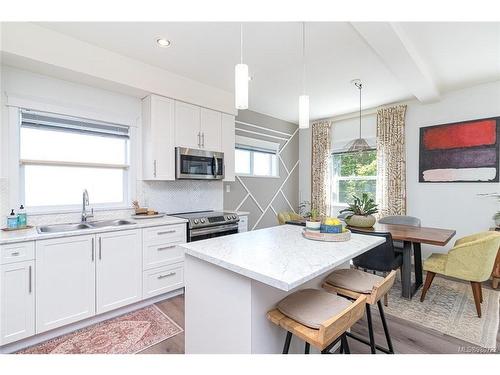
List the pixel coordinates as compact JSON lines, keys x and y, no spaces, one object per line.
{"x":303,"y":99}
{"x":241,"y":79}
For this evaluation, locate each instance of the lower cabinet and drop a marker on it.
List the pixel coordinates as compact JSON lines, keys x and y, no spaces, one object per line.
{"x":163,"y":279}
{"x":65,"y":281}
{"x":17,"y":301}
{"x":119,"y":269}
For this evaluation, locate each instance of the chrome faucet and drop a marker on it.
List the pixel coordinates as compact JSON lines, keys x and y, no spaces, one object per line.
{"x":85,"y":203}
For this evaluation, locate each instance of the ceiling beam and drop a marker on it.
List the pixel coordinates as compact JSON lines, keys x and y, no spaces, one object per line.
{"x":397,"y":52}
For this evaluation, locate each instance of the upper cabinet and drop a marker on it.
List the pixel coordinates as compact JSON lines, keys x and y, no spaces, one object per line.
{"x":158,"y":157}
{"x":187,"y":125}
{"x":169,"y":123}
{"x":210,"y":129}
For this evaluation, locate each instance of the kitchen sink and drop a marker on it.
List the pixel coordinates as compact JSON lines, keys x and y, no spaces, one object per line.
{"x":110,"y":223}
{"x":58,"y":228}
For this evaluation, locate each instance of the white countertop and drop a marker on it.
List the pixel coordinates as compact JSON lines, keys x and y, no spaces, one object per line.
{"x":32,"y":234}
{"x":279,"y":256}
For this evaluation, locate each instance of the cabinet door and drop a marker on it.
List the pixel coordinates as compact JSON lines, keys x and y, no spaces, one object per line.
{"x":158,"y":138}
{"x":119,"y":269}
{"x":17,"y":301}
{"x":187,"y":125}
{"x":211,"y":129}
{"x":65,"y":281}
{"x":228,"y":144}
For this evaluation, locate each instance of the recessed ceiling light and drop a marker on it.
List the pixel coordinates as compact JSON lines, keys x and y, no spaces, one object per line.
{"x":162,"y":42}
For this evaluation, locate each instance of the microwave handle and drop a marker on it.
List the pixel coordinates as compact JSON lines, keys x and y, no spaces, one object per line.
{"x":215,"y":166}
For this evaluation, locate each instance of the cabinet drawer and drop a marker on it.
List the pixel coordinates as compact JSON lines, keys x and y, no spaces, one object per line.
{"x":162,"y":280}
{"x":165,"y":234}
{"x":161,"y":255}
{"x":17,"y":252}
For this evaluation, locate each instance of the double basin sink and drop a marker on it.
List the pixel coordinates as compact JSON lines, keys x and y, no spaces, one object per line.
{"x":58,"y":228}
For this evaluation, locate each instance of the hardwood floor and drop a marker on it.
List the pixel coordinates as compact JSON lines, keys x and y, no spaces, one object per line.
{"x":407,"y":337}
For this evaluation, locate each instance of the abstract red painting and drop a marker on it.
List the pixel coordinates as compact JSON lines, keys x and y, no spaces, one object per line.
{"x":460,"y":152}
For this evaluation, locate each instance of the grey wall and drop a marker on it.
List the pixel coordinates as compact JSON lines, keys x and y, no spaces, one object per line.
{"x":264,"y":197}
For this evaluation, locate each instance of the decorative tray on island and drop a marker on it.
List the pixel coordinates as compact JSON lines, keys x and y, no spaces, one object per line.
{"x":328,"y":237}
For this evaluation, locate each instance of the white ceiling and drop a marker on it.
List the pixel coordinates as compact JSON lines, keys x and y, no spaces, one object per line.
{"x":450,"y":55}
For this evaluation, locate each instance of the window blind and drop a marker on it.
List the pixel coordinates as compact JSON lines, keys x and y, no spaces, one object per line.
{"x":48,"y":121}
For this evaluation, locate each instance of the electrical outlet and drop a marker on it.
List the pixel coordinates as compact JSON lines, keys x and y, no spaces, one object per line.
{"x":228,"y":188}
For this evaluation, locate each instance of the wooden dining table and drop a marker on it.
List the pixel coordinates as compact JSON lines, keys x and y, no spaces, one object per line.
{"x":412,"y":238}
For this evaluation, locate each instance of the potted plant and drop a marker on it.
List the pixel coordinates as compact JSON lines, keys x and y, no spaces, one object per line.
{"x":360,"y":212}
{"x":313,"y":219}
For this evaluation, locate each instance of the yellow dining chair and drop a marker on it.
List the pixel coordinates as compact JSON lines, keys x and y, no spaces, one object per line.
{"x":471,"y":259}
{"x":283,"y":217}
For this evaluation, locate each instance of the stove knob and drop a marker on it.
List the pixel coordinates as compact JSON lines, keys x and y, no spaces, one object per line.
{"x":195,"y":221}
{"x":228,"y":217}
{"x":202,"y":221}
{"x":234,"y":216}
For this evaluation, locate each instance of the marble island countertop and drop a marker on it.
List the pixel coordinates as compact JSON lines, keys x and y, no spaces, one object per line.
{"x":32,"y":234}
{"x":279,"y":256}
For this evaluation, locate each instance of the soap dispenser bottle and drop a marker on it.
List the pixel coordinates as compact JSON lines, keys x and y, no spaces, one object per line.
{"x":21,"y":217}
{"x":12,"y":220}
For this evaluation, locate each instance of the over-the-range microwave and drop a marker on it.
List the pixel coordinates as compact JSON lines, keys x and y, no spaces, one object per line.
{"x":194,"y":164}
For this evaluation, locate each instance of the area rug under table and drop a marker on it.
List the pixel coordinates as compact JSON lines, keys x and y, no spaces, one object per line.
{"x":126,"y":334}
{"x":449,"y":308}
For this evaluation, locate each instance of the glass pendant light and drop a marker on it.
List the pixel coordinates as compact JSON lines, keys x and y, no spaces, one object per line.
{"x":360,"y":144}
{"x":241,"y":79}
{"x":303,"y":99}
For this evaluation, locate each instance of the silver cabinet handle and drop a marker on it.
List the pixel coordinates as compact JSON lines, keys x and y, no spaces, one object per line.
{"x":92,"y":249}
{"x":203,"y":140}
{"x":100,"y":247}
{"x":199,"y":139}
{"x":165,"y":248}
{"x":166,"y":275}
{"x":15,"y":253}
{"x":29,"y":280}
{"x":154,"y":168}
{"x":166,"y":232}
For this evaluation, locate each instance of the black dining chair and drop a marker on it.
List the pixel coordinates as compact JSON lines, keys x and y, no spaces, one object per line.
{"x":382,"y":258}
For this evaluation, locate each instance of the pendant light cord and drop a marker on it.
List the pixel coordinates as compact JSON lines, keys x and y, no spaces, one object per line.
{"x":241,"y":43}
{"x":303,"y":57}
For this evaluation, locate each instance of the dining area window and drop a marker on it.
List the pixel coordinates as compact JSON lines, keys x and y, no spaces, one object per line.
{"x":353,"y":173}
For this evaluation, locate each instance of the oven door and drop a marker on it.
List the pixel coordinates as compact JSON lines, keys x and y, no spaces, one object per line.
{"x":211,"y":232}
{"x":193,"y":164}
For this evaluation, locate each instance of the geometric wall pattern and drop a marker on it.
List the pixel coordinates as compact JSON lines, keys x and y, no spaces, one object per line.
{"x":265,"y":197}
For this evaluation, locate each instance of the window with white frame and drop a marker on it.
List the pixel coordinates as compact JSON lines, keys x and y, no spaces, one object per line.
{"x":61,"y":156}
{"x":254,"y":157}
{"x":353,"y":174}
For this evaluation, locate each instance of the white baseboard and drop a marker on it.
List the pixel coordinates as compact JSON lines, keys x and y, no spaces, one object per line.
{"x":33,"y":340}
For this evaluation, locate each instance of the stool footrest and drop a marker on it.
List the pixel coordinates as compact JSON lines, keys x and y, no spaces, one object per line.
{"x":364,"y":341}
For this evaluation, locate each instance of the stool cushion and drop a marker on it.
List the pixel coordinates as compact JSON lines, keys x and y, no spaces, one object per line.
{"x":355,"y":280}
{"x":311,"y":307}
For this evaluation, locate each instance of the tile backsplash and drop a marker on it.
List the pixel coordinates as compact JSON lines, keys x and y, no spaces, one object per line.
{"x":163,"y":196}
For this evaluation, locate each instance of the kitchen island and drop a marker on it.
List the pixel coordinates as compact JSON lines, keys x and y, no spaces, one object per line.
{"x":233,"y":281}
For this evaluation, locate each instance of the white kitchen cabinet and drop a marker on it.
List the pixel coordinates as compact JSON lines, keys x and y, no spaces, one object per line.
{"x":17,"y":301}
{"x":65,"y":281}
{"x":163,"y":279}
{"x":228,"y":145}
{"x":119,"y":269}
{"x":187,"y":125}
{"x":211,"y":129}
{"x":158,"y":141}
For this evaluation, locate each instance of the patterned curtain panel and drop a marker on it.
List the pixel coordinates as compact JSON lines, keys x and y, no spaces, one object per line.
{"x":319,"y":168}
{"x":391,"y":161}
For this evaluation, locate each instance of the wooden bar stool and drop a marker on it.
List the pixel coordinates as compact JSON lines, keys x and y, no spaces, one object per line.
{"x":352,"y":283}
{"x":319,"y":318}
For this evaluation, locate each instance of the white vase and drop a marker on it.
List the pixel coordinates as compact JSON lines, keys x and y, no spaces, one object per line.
{"x":313,"y":225}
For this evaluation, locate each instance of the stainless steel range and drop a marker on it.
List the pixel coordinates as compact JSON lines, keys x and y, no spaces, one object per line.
{"x":209,"y":224}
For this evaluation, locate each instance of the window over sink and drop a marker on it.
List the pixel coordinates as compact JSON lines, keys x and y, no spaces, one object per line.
{"x":60,"y":156}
